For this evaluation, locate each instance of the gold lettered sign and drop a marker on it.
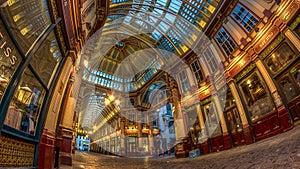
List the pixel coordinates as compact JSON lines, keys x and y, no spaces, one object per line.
{"x":290,"y":11}
{"x":266,"y":39}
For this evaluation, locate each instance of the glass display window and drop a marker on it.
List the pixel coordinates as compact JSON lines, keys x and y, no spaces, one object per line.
{"x":226,"y":98}
{"x":24,"y":109}
{"x":296,"y":74}
{"x":27,"y":20}
{"x":256,"y":96}
{"x":280,"y":58}
{"x":297,"y":30}
{"x":191,"y":116}
{"x":288,"y":87}
{"x":212,"y":120}
{"x":132,"y":143}
{"x":47,"y":58}
{"x":234,"y":121}
{"x":10,"y":59}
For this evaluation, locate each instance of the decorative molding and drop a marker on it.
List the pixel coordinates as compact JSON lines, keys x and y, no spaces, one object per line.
{"x":15,"y":153}
{"x":295,"y":23}
{"x":272,"y":46}
{"x":205,"y":101}
{"x":267,"y":38}
{"x":246,"y":71}
{"x":61,"y":37}
{"x":54,"y":9}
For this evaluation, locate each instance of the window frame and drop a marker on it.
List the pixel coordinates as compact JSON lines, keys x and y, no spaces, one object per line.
{"x":222,"y":49}
{"x":199,"y":70}
{"x":210,"y":60}
{"x":248,"y":12}
{"x":185,"y":81}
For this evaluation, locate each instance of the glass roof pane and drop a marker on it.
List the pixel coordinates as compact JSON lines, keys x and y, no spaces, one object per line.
{"x":173,"y":33}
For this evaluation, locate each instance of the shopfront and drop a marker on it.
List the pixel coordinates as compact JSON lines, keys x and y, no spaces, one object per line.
{"x":233,"y":119}
{"x":261,"y":109}
{"x":193,"y":124}
{"x":212,"y":125}
{"x":283,"y":64}
{"x":31,"y":57}
{"x":131,"y":145}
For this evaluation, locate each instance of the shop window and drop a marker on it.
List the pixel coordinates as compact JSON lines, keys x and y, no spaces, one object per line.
{"x":234,"y":121}
{"x":191,"y":116}
{"x":256,"y":96}
{"x":211,"y":60}
{"x":24,"y":109}
{"x":282,"y":56}
{"x":244,"y":18}
{"x":131,"y":119}
{"x":197,"y":71}
{"x":212,"y":120}
{"x":47,"y":59}
{"x":171,"y":127}
{"x":27,"y":20}
{"x":10,"y":59}
{"x":296,"y":74}
{"x":297,"y":30}
{"x":225,"y":41}
{"x":184,"y":81}
{"x":226,"y":98}
{"x":288,"y":88}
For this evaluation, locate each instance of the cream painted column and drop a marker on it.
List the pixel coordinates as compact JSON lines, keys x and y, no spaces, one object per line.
{"x":202,"y":124}
{"x":293,"y":38}
{"x":150,"y":134}
{"x":122,"y":137}
{"x":265,"y":75}
{"x":69,"y":113}
{"x":178,"y":115}
{"x":216,"y":101}
{"x":56,"y":100}
{"x":239,"y":104}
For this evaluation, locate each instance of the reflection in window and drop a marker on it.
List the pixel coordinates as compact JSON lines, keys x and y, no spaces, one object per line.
{"x":211,"y":60}
{"x":225,"y":41}
{"x":9,"y":59}
{"x":234,"y":121}
{"x":28,"y":19}
{"x":46,"y":59}
{"x":24,"y":109}
{"x":280,"y":58}
{"x":296,"y":74}
{"x":228,"y":99}
{"x":244,"y":17}
{"x":212,"y":120}
{"x":255,"y":93}
{"x":297,"y":30}
{"x":197,"y":71}
{"x":184,"y":81}
{"x":191,"y":116}
{"x":288,"y":87}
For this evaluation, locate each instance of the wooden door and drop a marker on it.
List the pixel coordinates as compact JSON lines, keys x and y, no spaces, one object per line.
{"x":235,"y":127}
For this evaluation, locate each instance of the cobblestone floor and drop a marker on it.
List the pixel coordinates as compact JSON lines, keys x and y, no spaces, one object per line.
{"x":280,"y":151}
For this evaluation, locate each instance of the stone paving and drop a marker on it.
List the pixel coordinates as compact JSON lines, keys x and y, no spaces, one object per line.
{"x":280,"y":151}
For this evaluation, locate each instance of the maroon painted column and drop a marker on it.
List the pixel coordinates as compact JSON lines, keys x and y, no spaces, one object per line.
{"x":247,"y":134}
{"x":65,"y":134}
{"x":46,"y":150}
{"x":66,"y":146}
{"x":226,"y":139}
{"x":284,"y":119}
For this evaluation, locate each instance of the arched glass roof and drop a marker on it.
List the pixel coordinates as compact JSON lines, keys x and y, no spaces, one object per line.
{"x":131,"y":26}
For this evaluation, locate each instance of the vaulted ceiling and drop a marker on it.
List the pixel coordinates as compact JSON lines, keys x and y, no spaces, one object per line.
{"x":135,"y":25}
